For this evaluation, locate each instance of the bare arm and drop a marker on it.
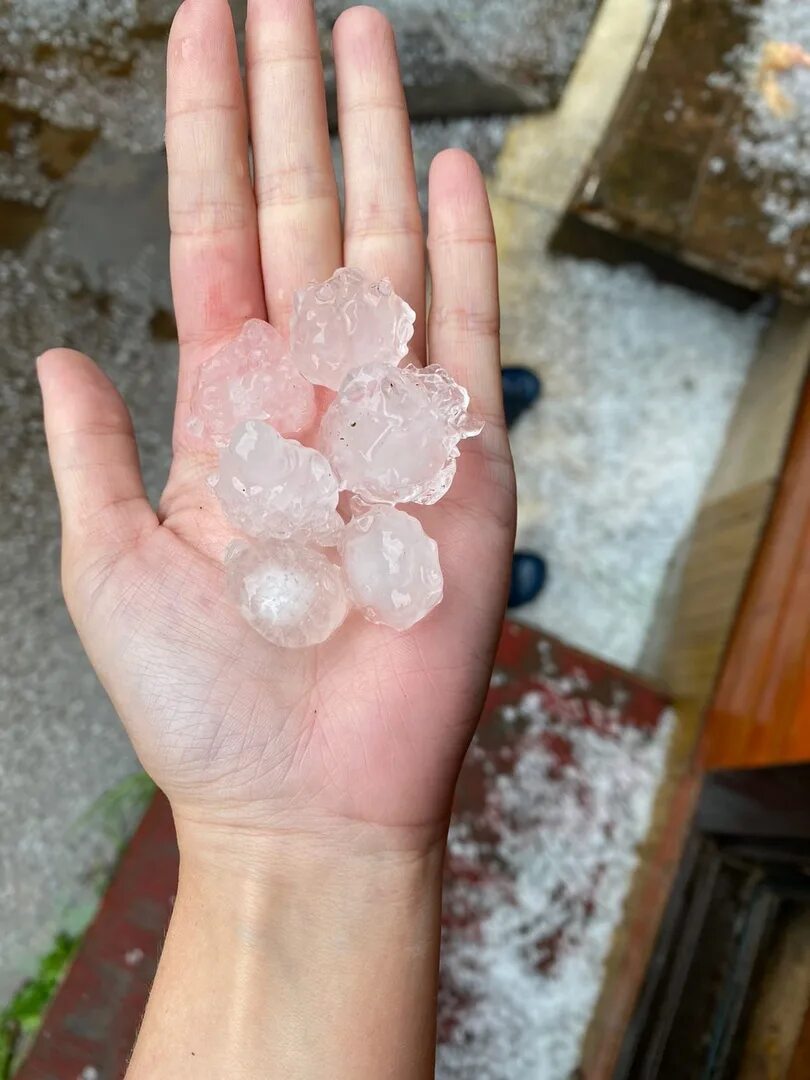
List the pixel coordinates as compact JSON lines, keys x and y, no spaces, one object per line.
{"x":301,"y":963}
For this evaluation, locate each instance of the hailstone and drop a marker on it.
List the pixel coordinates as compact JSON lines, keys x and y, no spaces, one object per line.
{"x":291,"y":594}
{"x":391,"y":566}
{"x":347,"y":321}
{"x":392,"y":434}
{"x":270,"y":486}
{"x":251,"y":378}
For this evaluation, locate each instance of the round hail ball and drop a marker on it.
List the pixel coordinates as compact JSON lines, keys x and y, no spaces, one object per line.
{"x":391,"y":567}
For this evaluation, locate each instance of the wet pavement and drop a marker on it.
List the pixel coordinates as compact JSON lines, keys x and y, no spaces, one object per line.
{"x":93,"y":278}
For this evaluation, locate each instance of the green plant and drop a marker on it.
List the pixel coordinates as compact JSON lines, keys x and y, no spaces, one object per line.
{"x":117,"y":810}
{"x":21,"y":1018}
{"x":112,"y":815}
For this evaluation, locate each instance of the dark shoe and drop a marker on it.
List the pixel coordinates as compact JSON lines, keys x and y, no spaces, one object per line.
{"x":521,"y":389}
{"x":529,"y":574}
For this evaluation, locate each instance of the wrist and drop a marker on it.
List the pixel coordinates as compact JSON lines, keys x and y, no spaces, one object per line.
{"x":310,"y":958}
{"x":349,"y":875}
{"x":258,"y":851}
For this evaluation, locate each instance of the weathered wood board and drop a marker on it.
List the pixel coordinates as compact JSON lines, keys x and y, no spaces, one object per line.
{"x":703,"y":158}
{"x":761,"y":711}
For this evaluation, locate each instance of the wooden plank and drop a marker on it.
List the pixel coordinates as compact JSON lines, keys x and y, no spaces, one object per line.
{"x":544,"y":155}
{"x":635,"y":940}
{"x":761,"y":712}
{"x":758,"y":436}
{"x":668,"y":170}
{"x":707,"y":582}
{"x":720,"y":552}
{"x":800,"y":1063}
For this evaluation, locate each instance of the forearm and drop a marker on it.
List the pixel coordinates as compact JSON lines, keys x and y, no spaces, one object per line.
{"x":317,"y":965}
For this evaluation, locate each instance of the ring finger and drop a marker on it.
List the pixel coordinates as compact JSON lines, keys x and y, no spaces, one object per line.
{"x":383,"y":226}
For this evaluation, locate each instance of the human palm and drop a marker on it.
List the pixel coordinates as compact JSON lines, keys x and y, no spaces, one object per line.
{"x":368,"y":728}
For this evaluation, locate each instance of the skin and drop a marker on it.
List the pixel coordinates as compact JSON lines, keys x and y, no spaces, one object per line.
{"x":311,"y":789}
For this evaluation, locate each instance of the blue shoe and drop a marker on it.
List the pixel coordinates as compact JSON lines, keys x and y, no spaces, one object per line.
{"x":521,"y":389}
{"x":529,"y":573}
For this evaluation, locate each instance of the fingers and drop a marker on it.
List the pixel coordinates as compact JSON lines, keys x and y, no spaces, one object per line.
{"x":215,"y":250}
{"x":383,"y":226}
{"x":463,"y":328}
{"x":93,"y":454}
{"x":299,"y":214}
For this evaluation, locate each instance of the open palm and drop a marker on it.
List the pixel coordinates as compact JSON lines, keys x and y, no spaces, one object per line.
{"x":370,"y":727}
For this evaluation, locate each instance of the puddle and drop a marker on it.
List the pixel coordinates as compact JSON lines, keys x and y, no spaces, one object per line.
{"x":163,"y":326}
{"x":18,"y":223}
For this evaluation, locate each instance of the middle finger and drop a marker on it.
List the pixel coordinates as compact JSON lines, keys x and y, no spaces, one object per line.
{"x":383,"y":227}
{"x":296,"y":193}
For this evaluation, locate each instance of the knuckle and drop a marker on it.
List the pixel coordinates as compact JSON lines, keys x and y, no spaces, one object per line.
{"x":467,"y":321}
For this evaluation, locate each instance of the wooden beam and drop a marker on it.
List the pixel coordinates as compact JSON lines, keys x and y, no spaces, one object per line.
{"x":696,"y":619}
{"x":761,"y":711}
{"x":669,"y":171}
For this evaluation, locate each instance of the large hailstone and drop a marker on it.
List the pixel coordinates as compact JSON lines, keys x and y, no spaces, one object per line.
{"x":291,"y":594}
{"x":251,"y":378}
{"x":270,"y":486}
{"x":391,"y":567}
{"x":392,"y":434}
{"x":347,"y":321}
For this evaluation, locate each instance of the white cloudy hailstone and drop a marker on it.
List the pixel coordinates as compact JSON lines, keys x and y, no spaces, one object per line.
{"x":391,"y":566}
{"x":392,"y":434}
{"x":270,"y":486}
{"x":291,"y":594}
{"x":347,"y":321}
{"x":251,"y":378}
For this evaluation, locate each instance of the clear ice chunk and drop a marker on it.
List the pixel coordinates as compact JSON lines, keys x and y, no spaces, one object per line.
{"x":391,"y":566}
{"x":251,"y":378}
{"x":270,"y":486}
{"x":291,"y":594}
{"x":392,"y":434}
{"x":345,"y":322}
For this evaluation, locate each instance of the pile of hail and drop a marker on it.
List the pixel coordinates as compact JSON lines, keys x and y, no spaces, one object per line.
{"x":388,"y":435}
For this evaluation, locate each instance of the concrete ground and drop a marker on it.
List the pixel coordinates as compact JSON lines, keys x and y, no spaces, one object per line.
{"x":61,"y":747}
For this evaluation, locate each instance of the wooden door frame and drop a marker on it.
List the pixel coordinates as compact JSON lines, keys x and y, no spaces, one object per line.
{"x":760,"y":715}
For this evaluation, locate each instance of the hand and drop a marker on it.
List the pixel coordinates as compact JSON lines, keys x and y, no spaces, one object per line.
{"x":311,"y":789}
{"x":361,"y":738}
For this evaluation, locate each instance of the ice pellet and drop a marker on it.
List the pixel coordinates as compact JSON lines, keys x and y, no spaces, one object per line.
{"x":392,"y":434}
{"x":391,"y":566}
{"x":274,"y":487}
{"x":345,"y":322}
{"x":251,"y":378}
{"x":291,"y":594}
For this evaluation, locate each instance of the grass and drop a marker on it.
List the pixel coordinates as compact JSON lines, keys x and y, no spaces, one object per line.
{"x":117,"y":810}
{"x":112,"y":816}
{"x":22,"y":1017}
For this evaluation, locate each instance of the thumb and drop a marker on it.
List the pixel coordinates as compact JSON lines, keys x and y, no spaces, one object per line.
{"x":93,"y":454}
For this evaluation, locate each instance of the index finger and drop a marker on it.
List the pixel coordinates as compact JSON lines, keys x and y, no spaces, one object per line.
{"x":216,"y":280}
